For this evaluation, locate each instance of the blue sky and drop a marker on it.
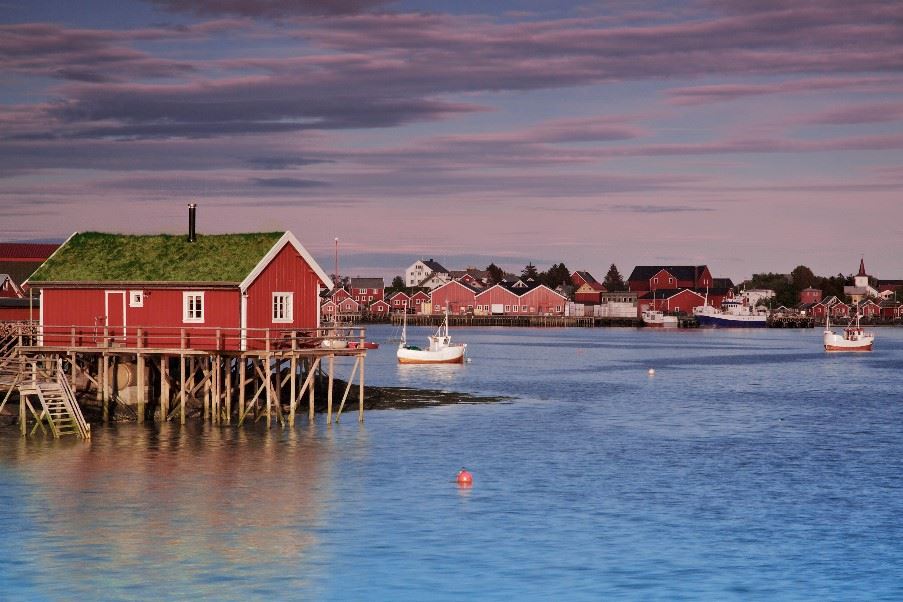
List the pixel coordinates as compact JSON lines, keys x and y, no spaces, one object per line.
{"x":749,"y":135}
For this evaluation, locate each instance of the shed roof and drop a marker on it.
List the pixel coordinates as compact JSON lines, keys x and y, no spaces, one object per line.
{"x":103,"y":257}
{"x":681,"y":272}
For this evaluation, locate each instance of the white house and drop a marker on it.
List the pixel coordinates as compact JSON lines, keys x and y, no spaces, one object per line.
{"x":426,"y":273}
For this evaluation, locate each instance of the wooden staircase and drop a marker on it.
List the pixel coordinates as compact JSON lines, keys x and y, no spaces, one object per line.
{"x":59,"y":408}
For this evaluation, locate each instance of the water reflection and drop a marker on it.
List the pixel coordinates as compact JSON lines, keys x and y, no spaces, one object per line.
{"x":170,"y":506}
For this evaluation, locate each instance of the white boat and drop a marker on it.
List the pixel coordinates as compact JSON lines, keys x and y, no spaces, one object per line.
{"x":440,"y":351}
{"x":853,"y":338}
{"x":733,"y":314}
{"x":657,"y":319}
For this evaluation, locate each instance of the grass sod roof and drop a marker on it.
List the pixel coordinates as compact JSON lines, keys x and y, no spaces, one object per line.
{"x":102,"y":257}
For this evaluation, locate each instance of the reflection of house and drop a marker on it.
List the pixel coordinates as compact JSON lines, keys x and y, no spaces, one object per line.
{"x":426,"y":273}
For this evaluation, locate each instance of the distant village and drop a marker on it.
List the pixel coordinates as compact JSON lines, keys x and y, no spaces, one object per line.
{"x":427,"y":287}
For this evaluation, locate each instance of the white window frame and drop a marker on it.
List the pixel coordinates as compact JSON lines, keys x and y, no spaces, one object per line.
{"x":136,"y":298}
{"x":288,"y":303}
{"x":508,"y":309}
{"x":514,"y":309}
{"x":186,"y":317}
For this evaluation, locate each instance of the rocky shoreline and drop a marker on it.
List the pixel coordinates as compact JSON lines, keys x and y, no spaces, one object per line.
{"x":375,"y":398}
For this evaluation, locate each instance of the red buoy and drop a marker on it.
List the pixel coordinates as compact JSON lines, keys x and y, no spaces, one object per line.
{"x":464,"y":478}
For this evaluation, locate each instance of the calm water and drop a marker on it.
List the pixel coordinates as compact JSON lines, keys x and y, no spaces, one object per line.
{"x":750,"y":466}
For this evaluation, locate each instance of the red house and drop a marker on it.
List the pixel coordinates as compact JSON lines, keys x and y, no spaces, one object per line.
{"x":399,"y":301}
{"x":418,"y":299}
{"x":542,"y":300}
{"x":581,"y":277}
{"x":455,"y":295}
{"x":379,"y":308}
{"x":214,"y":292}
{"x":670,"y":301}
{"x":589,"y":293}
{"x":497,"y":300}
{"x":654,"y":277}
{"x":367,"y":290}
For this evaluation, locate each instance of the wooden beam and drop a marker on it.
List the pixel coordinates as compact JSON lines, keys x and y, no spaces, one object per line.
{"x":329,"y":391}
{"x":141,"y":391}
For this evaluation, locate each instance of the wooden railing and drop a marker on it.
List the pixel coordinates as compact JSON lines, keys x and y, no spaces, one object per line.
{"x":201,"y":338}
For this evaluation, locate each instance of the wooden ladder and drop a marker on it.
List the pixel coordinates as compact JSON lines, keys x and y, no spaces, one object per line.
{"x":59,"y":407}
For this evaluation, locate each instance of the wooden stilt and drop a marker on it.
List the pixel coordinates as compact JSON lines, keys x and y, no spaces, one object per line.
{"x":313,"y":366}
{"x":182,"y":383}
{"x":293,"y":385}
{"x":360,"y":392}
{"x":164,"y":388}
{"x":242,"y":382}
{"x":329,"y":390}
{"x":141,"y":391}
{"x":269,"y":379}
{"x":228,"y":399}
{"x":106,"y":389}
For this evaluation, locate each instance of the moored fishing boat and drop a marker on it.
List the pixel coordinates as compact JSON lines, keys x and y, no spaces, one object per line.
{"x":733,"y":314}
{"x":440,"y":351}
{"x":853,"y":338}
{"x":657,"y":319}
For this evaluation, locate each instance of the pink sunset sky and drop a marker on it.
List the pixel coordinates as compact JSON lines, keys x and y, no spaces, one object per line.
{"x":750,"y":135}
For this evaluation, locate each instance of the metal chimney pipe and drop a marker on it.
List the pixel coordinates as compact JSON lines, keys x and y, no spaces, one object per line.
{"x":192,"y":207}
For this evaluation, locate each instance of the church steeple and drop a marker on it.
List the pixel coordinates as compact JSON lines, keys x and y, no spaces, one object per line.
{"x":862,"y":267}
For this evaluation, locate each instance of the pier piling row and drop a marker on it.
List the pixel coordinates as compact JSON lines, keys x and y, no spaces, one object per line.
{"x":240,"y":377}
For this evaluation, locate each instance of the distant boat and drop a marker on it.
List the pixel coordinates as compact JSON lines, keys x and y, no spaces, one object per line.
{"x":853,"y":338}
{"x":440,"y":351}
{"x":657,"y":319}
{"x":364,"y":345}
{"x":733,"y":314}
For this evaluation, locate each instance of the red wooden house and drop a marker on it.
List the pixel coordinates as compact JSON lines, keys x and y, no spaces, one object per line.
{"x":831,"y":305}
{"x":348,"y":307}
{"x":379,"y":308}
{"x":367,"y":290}
{"x":497,"y":300}
{"x":399,"y":301}
{"x":328,"y":310}
{"x":581,"y":277}
{"x":418,"y":299}
{"x":214,"y":292}
{"x":868,"y":309}
{"x":673,"y":301}
{"x":542,"y":300}
{"x":339,"y":295}
{"x":589,"y":293}
{"x":455,"y":295}
{"x":654,"y":277}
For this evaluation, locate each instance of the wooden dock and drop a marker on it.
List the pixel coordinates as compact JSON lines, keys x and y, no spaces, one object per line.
{"x":230,"y":376}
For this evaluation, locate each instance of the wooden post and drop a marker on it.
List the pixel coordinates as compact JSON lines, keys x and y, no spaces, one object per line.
{"x":22,"y":418}
{"x":310,"y":394}
{"x":229,"y":391}
{"x":293,"y":384}
{"x":269,"y":379}
{"x":329,"y":391}
{"x":360,"y":392}
{"x":105,"y":377}
{"x":242,"y":370}
{"x":141,"y":391}
{"x":207,"y":390}
{"x":164,"y":388}
{"x":182,"y":380}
